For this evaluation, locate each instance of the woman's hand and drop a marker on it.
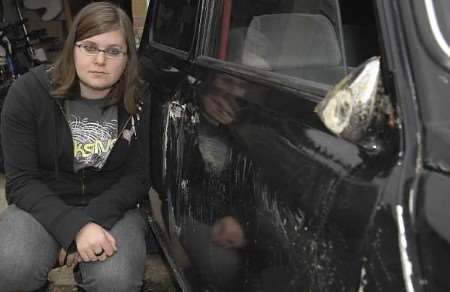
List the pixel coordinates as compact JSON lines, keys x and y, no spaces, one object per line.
{"x":220,"y":108}
{"x":94,"y":243}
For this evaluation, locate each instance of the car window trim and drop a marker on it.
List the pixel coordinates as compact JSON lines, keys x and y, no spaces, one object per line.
{"x":206,"y":19}
{"x":170,"y":50}
{"x":313,"y":90}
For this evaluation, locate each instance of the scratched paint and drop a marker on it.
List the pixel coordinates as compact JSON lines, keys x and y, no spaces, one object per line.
{"x":303,"y":198}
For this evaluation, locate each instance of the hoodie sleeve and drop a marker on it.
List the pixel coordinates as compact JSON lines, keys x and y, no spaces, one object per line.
{"x":24,"y":186}
{"x":125,"y":194}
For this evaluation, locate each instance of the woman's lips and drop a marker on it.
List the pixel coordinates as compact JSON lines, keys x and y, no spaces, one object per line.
{"x":98,"y":73}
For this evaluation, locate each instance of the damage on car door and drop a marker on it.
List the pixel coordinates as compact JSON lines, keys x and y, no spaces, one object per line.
{"x":259,"y":190}
{"x":165,"y":53}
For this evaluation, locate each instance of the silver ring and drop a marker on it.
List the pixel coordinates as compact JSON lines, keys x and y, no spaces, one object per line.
{"x":99,"y":253}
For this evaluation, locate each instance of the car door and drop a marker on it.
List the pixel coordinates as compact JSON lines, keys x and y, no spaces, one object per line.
{"x":165,"y":53}
{"x":258,"y":195}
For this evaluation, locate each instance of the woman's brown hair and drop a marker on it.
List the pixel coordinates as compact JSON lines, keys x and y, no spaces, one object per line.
{"x":93,"y":19}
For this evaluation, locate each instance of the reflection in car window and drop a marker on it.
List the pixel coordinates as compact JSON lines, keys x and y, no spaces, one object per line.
{"x":175,"y":21}
{"x":442,"y":8}
{"x":297,"y":38}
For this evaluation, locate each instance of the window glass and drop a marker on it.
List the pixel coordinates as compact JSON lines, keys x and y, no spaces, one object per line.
{"x":175,"y":20}
{"x":442,"y":8}
{"x":297,"y":38}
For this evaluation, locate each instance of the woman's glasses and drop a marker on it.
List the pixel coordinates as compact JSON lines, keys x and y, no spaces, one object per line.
{"x":110,"y":53}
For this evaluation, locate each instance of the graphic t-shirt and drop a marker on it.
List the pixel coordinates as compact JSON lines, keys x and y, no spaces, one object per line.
{"x":94,"y":131}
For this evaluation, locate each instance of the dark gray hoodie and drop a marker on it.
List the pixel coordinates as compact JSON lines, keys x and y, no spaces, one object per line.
{"x":38,"y":153}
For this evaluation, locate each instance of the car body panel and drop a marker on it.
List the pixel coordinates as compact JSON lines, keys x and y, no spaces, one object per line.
{"x":314,"y":211}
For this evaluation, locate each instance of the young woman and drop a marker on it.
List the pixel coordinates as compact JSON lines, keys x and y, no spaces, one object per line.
{"x":75,"y":140}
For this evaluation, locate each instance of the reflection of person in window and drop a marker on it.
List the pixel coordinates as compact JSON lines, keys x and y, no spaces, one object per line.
{"x":219,"y":108}
{"x":219,"y":100}
{"x":219,"y":231}
{"x":211,"y":235}
{"x":244,"y":235}
{"x":228,"y":233}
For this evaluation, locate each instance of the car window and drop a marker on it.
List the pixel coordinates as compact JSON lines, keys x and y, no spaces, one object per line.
{"x":175,"y":23}
{"x":304,"y":39}
{"x":442,"y":8}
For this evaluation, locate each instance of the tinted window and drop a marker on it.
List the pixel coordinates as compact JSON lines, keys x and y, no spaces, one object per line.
{"x":296,"y":38}
{"x":175,"y":21}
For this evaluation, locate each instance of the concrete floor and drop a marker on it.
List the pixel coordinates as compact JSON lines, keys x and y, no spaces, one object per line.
{"x":157,"y":277}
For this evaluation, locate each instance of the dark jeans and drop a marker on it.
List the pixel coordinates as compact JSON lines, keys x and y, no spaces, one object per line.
{"x":28,"y":253}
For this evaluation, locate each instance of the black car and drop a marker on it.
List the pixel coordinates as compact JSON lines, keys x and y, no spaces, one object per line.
{"x":301,"y":145}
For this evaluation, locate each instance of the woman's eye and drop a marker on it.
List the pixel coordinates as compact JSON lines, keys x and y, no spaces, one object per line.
{"x":90,"y":49}
{"x":113,"y":51}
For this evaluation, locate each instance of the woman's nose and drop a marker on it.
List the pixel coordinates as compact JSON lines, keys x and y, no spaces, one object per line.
{"x":100,"y":58}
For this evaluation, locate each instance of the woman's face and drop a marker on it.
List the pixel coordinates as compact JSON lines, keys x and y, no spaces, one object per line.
{"x":98,"y":71}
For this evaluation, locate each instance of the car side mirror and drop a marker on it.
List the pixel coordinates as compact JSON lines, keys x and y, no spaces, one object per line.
{"x":357,"y":105}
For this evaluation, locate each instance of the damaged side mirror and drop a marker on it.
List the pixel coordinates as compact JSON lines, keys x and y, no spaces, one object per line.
{"x":357,"y":106}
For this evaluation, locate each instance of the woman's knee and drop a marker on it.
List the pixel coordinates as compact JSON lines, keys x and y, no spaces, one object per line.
{"x":104,"y":276}
{"x":27,"y":251}
{"x":16,"y":266}
{"x":124,"y":271}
